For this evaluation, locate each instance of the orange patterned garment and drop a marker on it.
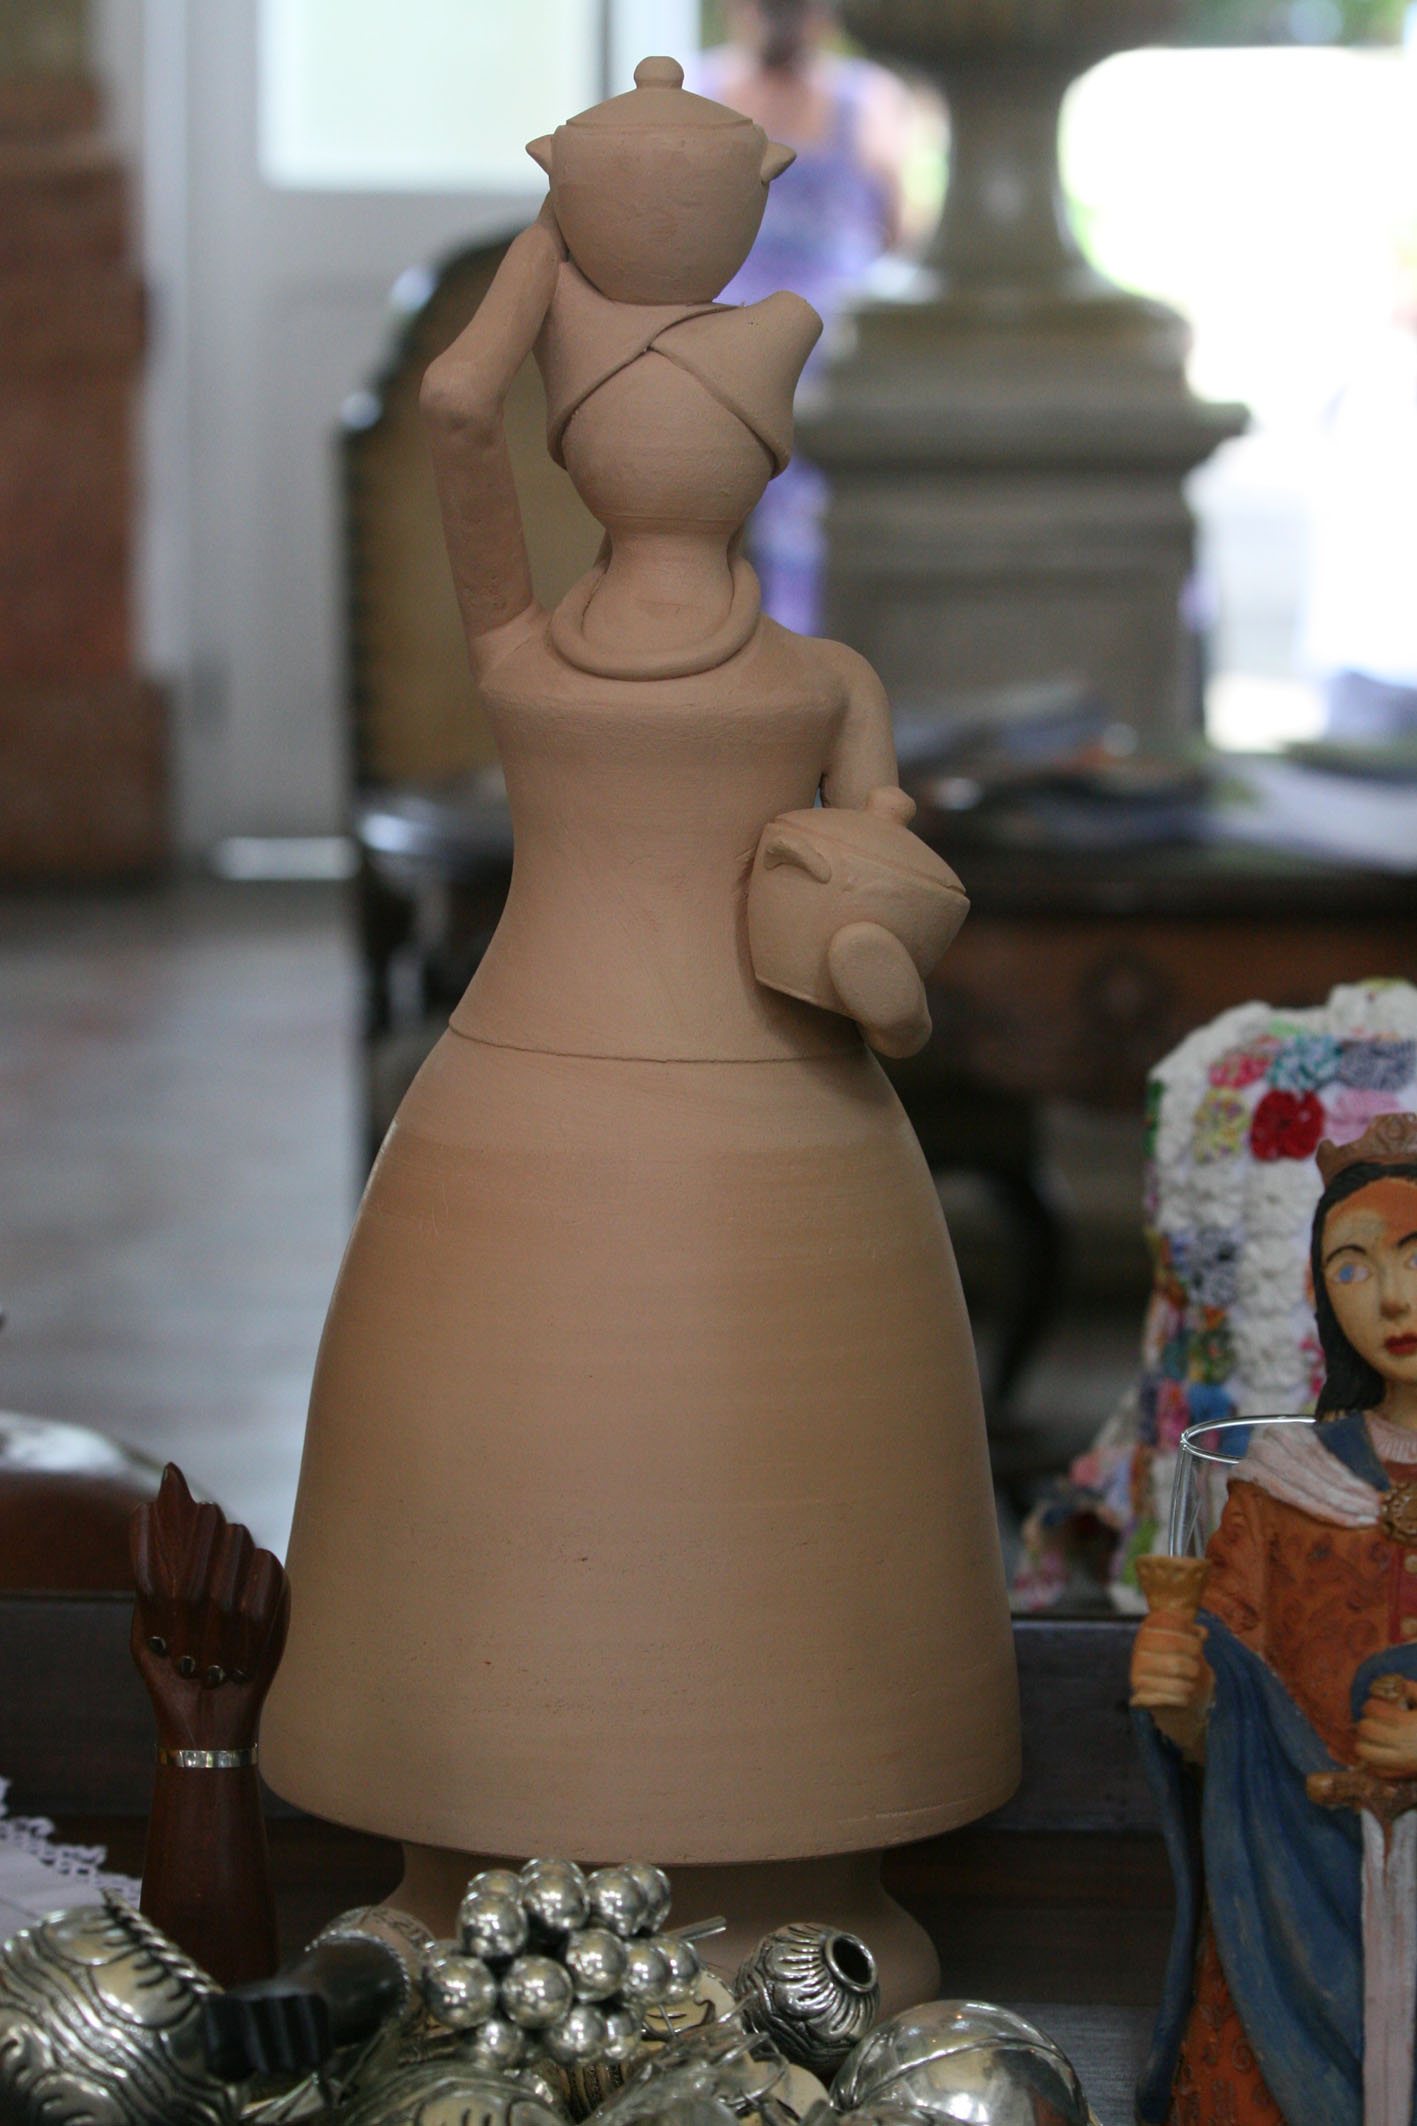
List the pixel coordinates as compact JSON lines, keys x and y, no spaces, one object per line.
{"x":1314,"y":1600}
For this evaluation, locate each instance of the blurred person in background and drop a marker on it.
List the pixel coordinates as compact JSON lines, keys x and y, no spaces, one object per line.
{"x":843,"y":202}
{"x":1361,"y":630}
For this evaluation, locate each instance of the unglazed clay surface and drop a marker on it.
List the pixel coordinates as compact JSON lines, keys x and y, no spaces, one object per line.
{"x":645,"y":1504}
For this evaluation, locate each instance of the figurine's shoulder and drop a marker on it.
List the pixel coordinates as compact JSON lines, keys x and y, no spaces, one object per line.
{"x":855,"y":679}
{"x":778,"y":659}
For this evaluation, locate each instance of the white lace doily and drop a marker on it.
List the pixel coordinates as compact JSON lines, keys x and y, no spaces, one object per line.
{"x":38,"y":1876}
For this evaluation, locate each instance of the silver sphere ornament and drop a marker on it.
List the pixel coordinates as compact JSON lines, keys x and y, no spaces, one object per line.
{"x":493,"y":1925}
{"x":646,"y":1979}
{"x":682,"y":1958}
{"x":497,"y":1882}
{"x":812,"y":1988}
{"x":953,"y":2060}
{"x":554,"y":1895}
{"x":655,"y":1885}
{"x":579,"y":2035}
{"x":595,"y":1959}
{"x":536,"y":1991}
{"x":498,"y":2045}
{"x":622,"y":2034}
{"x":460,"y":1990}
{"x":618,"y":1900}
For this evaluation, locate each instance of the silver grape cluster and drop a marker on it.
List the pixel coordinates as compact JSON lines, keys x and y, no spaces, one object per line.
{"x":556,"y":1962}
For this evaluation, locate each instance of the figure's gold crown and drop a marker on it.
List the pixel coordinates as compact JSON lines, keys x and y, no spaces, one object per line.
{"x":1389,"y":1140}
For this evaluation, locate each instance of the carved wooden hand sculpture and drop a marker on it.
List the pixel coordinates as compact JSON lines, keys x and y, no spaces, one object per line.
{"x":209,"y":1629}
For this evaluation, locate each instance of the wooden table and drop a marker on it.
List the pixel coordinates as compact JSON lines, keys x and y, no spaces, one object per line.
{"x":1058,"y":1904}
{"x":1073,"y":976}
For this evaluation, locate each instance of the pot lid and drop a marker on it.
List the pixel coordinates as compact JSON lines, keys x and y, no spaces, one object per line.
{"x":658,"y":98}
{"x":879,"y":832}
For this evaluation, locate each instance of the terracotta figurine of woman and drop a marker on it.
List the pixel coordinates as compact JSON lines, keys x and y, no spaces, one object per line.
{"x":645,"y":1506}
{"x":1292,"y":1985}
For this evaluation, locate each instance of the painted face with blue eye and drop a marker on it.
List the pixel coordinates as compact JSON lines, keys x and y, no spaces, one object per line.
{"x":1370,"y":1273}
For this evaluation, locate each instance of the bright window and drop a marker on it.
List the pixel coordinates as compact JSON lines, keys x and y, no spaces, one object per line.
{"x":1270,"y":195}
{"x":420,"y":95}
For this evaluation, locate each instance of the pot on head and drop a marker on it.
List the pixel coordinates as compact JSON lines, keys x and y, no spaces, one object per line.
{"x":659,"y":193}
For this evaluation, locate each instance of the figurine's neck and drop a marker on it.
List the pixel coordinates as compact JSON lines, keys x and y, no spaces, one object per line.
{"x":662,"y":591}
{"x":1399,"y":1404}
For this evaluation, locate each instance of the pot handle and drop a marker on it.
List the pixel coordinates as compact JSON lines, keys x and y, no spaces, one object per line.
{"x":780,"y":848}
{"x":889,"y":801}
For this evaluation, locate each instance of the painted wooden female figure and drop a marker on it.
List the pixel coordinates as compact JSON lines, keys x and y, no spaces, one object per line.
{"x":1293,"y":1976}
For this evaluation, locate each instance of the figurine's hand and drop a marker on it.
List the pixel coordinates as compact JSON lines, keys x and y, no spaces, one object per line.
{"x":210,"y":1619}
{"x":1169,"y":1669}
{"x":880,"y":987}
{"x":1387,"y":1734}
{"x":463,"y":387}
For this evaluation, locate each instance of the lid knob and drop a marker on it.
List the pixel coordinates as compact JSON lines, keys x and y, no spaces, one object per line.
{"x":889,"y":802}
{"x":659,"y":74}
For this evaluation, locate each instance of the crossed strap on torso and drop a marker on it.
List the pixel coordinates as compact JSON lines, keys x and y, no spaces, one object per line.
{"x":748,"y":358}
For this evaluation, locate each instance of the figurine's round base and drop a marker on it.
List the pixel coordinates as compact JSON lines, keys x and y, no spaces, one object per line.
{"x":843,"y":1889}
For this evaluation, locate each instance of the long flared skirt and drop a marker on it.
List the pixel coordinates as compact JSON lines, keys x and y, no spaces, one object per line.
{"x":645,"y":1504}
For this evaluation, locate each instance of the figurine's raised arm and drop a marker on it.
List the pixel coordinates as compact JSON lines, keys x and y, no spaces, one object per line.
{"x":462,"y":400}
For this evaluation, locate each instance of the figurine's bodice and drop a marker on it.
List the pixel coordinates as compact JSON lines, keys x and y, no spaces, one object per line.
{"x":1314,"y":1599}
{"x":637,"y":807}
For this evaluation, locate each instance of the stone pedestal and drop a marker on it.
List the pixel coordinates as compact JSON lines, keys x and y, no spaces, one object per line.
{"x":1007,"y":443}
{"x":81,"y":755}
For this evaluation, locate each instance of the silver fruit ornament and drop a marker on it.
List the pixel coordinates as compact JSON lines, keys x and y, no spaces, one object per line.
{"x":536,"y":1991}
{"x":657,"y":1893}
{"x":554,"y":1895}
{"x":493,"y":1924}
{"x":622,"y":2034}
{"x":497,"y":1882}
{"x":595,"y":1959}
{"x":579,"y":2035}
{"x":646,"y":1981}
{"x":952,"y":2060}
{"x":812,"y":1988}
{"x":498,"y":2043}
{"x":618,"y":1900}
{"x":460,"y":1990}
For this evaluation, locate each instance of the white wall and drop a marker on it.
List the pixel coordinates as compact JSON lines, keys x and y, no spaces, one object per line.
{"x":267,"y":308}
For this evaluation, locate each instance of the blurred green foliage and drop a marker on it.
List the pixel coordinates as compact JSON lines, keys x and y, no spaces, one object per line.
{"x":1291,"y":22}
{"x":1236,"y":22}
